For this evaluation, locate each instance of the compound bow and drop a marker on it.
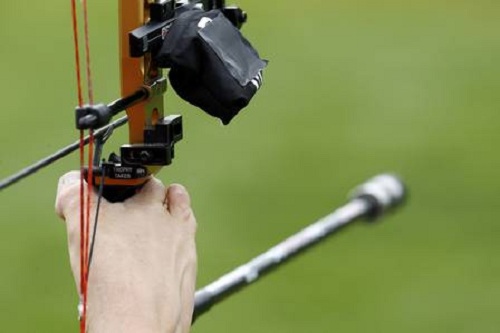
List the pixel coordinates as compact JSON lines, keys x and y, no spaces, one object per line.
{"x":152,"y":136}
{"x":143,"y":25}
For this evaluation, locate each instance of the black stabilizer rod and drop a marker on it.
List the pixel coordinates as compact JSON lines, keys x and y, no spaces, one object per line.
{"x":370,"y":201}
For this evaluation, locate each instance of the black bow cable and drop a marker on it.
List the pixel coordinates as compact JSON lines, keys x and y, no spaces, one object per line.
{"x":63,"y":152}
{"x":100,"y":141}
{"x":370,"y":200}
{"x":96,"y":221}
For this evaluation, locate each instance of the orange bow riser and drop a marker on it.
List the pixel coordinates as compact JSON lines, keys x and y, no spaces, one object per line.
{"x":151,"y":135}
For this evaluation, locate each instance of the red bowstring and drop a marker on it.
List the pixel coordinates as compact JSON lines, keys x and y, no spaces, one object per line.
{"x":85,"y":205}
{"x":82,"y":153}
{"x":90,"y":177}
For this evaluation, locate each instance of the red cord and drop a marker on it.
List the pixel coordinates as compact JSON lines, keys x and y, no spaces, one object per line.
{"x":90,"y":178}
{"x":90,"y":89}
{"x":85,"y":204}
{"x":82,"y":157}
{"x":77,"y":52}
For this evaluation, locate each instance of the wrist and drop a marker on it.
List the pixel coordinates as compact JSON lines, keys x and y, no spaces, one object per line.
{"x":130,"y":308}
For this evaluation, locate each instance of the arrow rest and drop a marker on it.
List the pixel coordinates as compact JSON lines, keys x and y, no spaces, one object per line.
{"x":127,"y":173}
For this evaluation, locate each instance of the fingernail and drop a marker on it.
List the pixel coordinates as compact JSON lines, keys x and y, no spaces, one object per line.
{"x":178,"y":189}
{"x":178,"y":198}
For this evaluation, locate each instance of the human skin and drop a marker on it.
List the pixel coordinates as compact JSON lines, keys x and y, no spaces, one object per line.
{"x":143,"y":272}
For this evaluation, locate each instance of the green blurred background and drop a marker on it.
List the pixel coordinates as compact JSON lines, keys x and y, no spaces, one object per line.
{"x":354,"y":88}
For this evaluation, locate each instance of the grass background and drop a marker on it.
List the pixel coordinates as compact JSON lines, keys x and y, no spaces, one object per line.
{"x":354,"y":88}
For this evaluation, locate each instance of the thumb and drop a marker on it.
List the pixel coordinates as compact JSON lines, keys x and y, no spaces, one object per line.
{"x":178,"y":200}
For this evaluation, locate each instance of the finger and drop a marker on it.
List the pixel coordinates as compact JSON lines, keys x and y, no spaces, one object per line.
{"x":68,"y":193}
{"x":178,"y":201}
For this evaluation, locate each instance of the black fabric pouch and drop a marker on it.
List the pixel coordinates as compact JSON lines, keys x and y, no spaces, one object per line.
{"x":212,"y":66}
